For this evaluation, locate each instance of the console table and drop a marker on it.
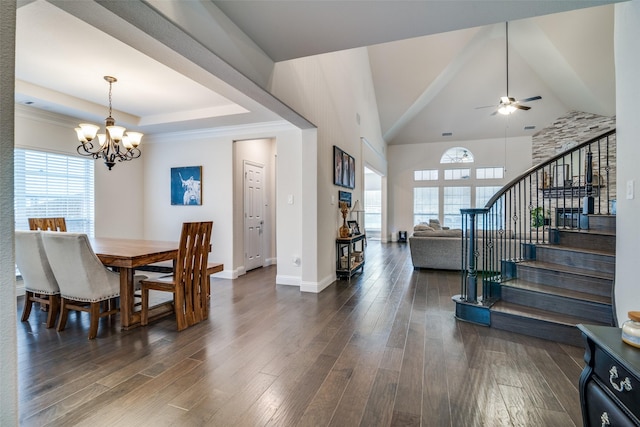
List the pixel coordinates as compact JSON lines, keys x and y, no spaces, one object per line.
{"x":610,"y":381}
{"x":348,"y":259}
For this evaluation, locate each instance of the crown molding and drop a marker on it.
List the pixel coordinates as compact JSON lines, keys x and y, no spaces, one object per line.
{"x":225,"y":131}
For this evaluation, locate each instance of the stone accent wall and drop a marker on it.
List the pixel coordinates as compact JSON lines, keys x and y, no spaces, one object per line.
{"x":570,"y":130}
{"x":566,"y":132}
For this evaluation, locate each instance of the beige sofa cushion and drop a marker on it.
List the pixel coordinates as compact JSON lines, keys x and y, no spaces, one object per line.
{"x":439,"y":233}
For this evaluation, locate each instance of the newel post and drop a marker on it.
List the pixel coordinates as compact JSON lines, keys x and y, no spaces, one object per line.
{"x":471,"y":267}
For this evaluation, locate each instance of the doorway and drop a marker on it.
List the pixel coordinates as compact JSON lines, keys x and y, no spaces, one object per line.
{"x":372,"y":204}
{"x":253,"y":214}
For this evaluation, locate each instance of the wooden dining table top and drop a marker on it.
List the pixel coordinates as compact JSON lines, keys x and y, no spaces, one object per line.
{"x":131,"y":253}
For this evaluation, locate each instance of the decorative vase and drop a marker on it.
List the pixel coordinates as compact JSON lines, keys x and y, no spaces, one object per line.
{"x":344,"y":230}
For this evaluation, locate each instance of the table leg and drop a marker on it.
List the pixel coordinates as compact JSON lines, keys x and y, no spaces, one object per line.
{"x":127,"y":319}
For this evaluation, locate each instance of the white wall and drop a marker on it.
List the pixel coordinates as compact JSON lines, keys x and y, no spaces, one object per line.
{"x":8,"y":341}
{"x":214,"y":151}
{"x":335,"y":92}
{"x":163,"y":221}
{"x":515,"y":154}
{"x":627,"y":61}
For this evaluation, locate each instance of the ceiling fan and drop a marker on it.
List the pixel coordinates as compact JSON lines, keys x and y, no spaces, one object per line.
{"x":508,"y":104}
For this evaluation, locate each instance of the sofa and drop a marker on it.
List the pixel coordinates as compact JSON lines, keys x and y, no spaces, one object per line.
{"x":433,"y":246}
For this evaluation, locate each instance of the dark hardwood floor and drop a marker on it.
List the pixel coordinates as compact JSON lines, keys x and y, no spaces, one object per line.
{"x":381,"y":350}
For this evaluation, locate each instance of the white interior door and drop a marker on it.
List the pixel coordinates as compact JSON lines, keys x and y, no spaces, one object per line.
{"x":253,"y":215}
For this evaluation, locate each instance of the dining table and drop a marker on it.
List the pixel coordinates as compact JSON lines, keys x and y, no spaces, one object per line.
{"x":128,"y":254}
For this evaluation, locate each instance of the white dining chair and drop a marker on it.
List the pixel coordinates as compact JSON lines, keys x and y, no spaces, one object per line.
{"x":39,"y":281}
{"x":85,"y":283}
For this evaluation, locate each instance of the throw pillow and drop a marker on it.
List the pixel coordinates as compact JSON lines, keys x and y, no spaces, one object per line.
{"x":422,"y":227}
{"x":435,"y":224}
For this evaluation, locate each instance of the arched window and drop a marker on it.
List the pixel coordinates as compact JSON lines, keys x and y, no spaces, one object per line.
{"x":457,"y":155}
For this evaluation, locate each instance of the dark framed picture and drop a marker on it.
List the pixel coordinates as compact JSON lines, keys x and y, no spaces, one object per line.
{"x":352,"y":172}
{"x":337,"y":166}
{"x":344,"y":196}
{"x":353,"y":225}
{"x":186,"y":187}
{"x":344,"y":168}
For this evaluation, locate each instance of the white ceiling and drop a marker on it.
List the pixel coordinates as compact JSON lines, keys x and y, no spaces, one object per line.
{"x":61,"y":62}
{"x":449,"y":59}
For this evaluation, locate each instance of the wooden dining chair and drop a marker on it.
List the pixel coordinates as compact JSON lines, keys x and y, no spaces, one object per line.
{"x":85,"y":283}
{"x":39,"y":281}
{"x":189,"y":282}
{"x":51,"y":224}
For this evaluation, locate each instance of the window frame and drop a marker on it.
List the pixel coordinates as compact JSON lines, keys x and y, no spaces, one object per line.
{"x":52,"y":184}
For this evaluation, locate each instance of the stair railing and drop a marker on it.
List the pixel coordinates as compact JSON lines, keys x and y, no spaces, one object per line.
{"x":559,"y":193}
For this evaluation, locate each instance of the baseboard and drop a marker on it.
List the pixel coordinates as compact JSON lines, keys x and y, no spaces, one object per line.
{"x":270,"y":261}
{"x":288,"y":280}
{"x":317,"y":287}
{"x":228,"y":274}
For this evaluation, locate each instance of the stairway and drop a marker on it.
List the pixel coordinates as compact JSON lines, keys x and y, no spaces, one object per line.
{"x":561,"y":285}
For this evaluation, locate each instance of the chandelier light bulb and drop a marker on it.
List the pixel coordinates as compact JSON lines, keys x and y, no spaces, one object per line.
{"x":134,"y":138}
{"x":89,"y":131}
{"x":116,"y":133}
{"x":127,"y":142}
{"x":80,"y":135}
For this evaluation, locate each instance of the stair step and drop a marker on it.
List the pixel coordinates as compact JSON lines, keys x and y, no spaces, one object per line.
{"x":554,"y":290}
{"x":538,"y":323}
{"x":588,"y":259}
{"x":558,"y":300}
{"x":567,"y":277}
{"x":602,"y":222}
{"x":588,"y":239}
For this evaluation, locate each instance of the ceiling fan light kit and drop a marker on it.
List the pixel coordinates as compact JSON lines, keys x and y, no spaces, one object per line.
{"x":509,"y":105}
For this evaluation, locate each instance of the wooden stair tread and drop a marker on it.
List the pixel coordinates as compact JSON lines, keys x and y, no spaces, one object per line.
{"x":553,"y":290}
{"x":588,"y":231}
{"x":543,"y":315}
{"x":578,"y":250}
{"x":561,"y":268}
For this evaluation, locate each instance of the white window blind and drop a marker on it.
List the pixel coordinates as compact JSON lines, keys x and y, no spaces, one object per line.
{"x":425,"y":204}
{"x":54,"y":185}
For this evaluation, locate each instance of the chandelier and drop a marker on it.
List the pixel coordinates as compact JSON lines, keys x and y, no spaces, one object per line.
{"x":109,"y":147}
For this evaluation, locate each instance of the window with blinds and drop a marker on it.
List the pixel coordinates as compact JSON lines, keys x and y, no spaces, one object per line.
{"x":54,"y":185}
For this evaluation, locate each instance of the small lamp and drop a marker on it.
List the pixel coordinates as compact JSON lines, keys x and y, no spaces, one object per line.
{"x":357,"y":209}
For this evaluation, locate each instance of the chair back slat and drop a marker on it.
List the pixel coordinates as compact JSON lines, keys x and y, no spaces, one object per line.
{"x":48,"y":224}
{"x":191,"y":271}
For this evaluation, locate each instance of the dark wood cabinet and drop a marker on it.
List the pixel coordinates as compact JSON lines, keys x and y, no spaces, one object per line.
{"x":610,"y":380}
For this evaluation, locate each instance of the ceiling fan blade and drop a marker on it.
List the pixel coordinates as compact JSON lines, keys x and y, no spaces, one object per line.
{"x":521,"y":107}
{"x":533,"y":98}
{"x":494,"y":113}
{"x":485,"y":106}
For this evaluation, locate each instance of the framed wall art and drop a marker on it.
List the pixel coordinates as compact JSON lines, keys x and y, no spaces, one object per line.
{"x":344,"y":168}
{"x":344,"y":196}
{"x":337,"y":166}
{"x":186,"y":185}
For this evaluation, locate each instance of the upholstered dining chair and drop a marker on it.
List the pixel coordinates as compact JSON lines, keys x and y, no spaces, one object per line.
{"x":51,"y":224}
{"x":39,"y":281}
{"x":85,"y":283}
{"x":189,"y":282}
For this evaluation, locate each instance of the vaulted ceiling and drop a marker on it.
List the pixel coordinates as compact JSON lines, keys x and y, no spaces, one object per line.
{"x":433,"y":64}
